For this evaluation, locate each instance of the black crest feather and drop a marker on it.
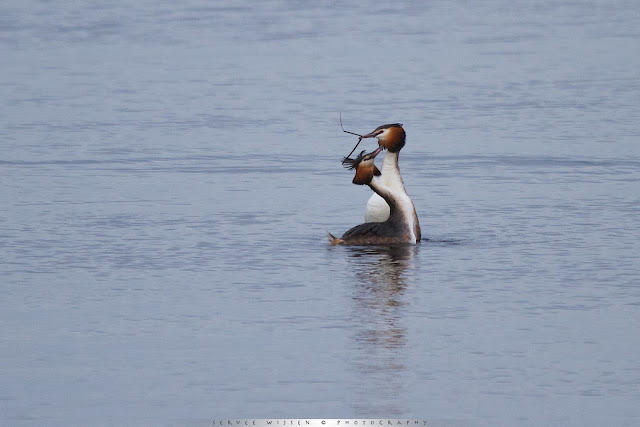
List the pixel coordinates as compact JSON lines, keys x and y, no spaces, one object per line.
{"x":391,"y":125}
{"x":350,"y":163}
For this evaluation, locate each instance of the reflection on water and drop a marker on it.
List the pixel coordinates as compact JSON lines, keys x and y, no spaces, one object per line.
{"x":379,"y":332}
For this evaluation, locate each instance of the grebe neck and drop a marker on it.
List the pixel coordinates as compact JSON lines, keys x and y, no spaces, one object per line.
{"x":391,"y":197}
{"x":377,"y":209}
{"x":389,"y":186}
{"x":391,"y":172}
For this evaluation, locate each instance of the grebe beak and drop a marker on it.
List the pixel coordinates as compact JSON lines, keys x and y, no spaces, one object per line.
{"x":372,"y":134}
{"x":377,"y":151}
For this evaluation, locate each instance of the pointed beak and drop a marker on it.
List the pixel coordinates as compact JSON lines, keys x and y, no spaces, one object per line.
{"x":371,"y":135}
{"x":377,"y":151}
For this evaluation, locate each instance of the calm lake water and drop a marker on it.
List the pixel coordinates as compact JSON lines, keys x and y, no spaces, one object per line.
{"x":169,"y":172}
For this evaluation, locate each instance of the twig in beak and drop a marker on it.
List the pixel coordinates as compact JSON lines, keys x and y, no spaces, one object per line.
{"x":352,"y":133}
{"x":354,"y":148}
{"x":346,"y":131}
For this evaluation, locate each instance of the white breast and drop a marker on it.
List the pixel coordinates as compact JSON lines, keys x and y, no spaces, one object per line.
{"x":377,"y":209}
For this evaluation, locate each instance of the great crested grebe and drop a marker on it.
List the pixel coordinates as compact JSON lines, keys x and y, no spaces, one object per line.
{"x":392,"y":137}
{"x":399,"y":227}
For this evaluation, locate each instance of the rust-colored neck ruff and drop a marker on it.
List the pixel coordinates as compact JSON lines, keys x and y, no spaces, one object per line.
{"x":395,"y":140}
{"x":365,"y":173}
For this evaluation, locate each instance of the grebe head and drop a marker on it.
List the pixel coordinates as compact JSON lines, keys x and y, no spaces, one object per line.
{"x":364,"y":166}
{"x":392,"y":136}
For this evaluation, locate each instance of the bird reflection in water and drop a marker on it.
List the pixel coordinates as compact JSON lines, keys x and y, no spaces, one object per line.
{"x":380,"y":335}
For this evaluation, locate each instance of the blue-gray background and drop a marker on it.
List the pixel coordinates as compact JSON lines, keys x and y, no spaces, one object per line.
{"x":169,"y":171}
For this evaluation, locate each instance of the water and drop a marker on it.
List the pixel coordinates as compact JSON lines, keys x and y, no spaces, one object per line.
{"x":169,"y":173}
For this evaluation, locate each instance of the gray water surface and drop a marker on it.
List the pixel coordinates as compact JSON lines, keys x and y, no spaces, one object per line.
{"x":169,"y":173}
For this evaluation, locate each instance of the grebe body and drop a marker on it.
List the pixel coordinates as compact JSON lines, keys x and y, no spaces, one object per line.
{"x":393,"y":138}
{"x":400,"y":226}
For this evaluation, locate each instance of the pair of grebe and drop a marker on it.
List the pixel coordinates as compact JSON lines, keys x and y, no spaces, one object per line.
{"x":390,"y":217}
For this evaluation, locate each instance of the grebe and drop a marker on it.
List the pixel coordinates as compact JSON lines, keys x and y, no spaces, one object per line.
{"x":392,"y":137}
{"x":401,"y":224}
